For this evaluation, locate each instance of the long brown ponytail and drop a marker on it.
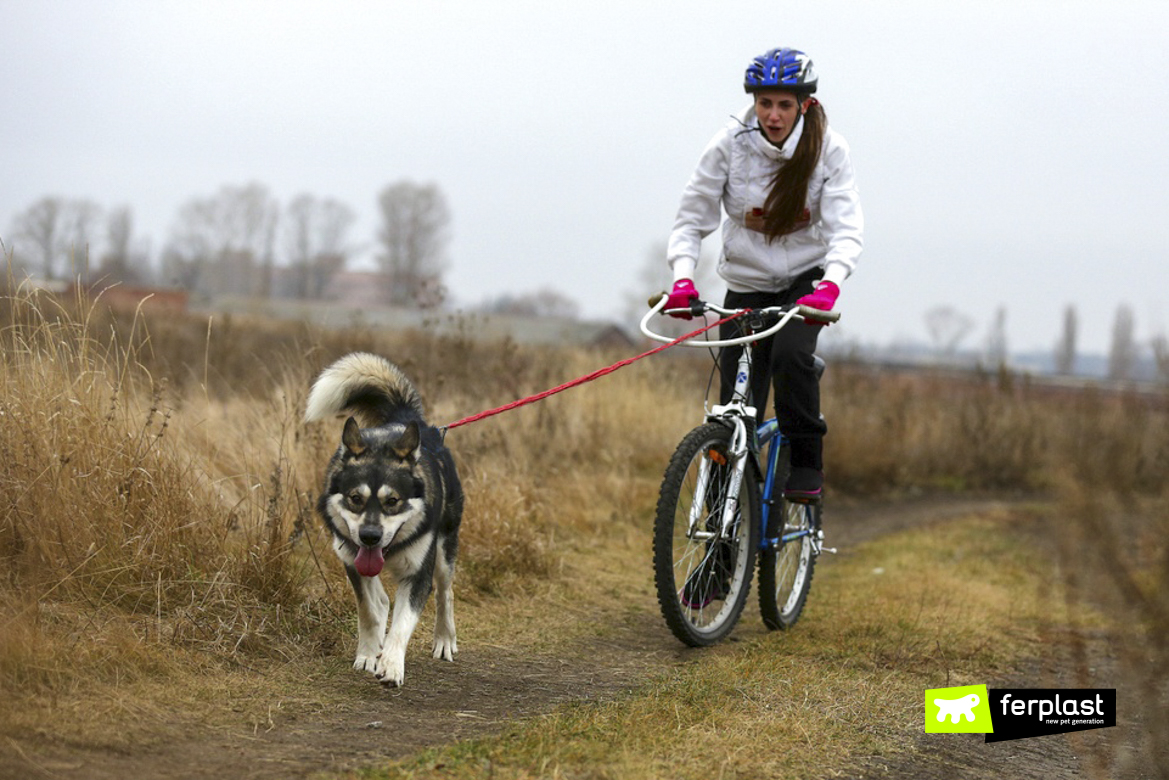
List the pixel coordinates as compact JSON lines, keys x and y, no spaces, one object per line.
{"x":784,"y":207}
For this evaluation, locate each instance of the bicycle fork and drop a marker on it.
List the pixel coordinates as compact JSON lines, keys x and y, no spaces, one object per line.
{"x":737,"y":455}
{"x":733,"y":413}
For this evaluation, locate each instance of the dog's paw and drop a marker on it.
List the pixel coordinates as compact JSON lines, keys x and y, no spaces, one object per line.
{"x":365,"y":663}
{"x":391,"y":671}
{"x":445,"y":648}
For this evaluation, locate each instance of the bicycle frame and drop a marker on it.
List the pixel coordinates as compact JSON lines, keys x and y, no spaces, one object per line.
{"x":736,"y":414}
{"x":766,"y":435}
{"x":706,"y":535}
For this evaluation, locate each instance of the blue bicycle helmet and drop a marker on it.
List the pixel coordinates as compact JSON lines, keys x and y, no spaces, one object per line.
{"x":783,"y":68}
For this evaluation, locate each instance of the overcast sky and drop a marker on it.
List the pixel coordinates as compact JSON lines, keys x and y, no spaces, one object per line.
{"x":1008,"y":153}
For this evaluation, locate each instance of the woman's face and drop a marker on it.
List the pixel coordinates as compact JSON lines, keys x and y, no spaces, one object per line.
{"x":777,"y":112}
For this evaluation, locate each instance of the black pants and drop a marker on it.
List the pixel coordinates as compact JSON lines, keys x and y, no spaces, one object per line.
{"x":785,"y":359}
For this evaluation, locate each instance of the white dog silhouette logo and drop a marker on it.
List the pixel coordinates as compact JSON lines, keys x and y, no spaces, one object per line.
{"x":957,"y":708}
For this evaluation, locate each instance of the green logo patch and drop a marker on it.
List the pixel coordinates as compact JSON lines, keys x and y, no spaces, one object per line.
{"x":962,"y":710}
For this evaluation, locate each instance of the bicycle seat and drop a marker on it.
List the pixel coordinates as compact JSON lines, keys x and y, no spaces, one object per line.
{"x":819,"y":364}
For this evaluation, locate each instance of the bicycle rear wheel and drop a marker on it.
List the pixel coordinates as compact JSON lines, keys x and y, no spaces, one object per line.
{"x":786,"y":569}
{"x":703,"y":573}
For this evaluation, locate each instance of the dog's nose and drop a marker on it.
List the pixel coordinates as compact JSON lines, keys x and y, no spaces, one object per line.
{"x":370,"y":535}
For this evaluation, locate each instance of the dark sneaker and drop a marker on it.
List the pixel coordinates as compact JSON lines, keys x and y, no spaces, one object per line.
{"x":709,"y":582}
{"x":804,"y":484}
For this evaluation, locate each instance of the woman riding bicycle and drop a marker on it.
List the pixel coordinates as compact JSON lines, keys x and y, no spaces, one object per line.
{"x":793,"y":234}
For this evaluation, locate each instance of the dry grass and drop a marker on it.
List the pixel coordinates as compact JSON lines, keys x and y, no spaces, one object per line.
{"x":1114,"y":552}
{"x":145,"y":515}
{"x":946,"y":606}
{"x":158,"y":484}
{"x":121,"y":533}
{"x":931,"y":432}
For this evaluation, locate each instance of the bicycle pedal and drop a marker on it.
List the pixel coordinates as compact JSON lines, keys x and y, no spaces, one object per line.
{"x":802,"y":498}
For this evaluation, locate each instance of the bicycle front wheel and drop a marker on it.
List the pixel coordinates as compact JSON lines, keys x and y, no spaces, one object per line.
{"x":703,"y":566}
{"x":785,"y":569}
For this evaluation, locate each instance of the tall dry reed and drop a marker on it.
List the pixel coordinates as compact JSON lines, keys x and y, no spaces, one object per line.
{"x":116,"y":523}
{"x":159,"y":485}
{"x":148,"y":512}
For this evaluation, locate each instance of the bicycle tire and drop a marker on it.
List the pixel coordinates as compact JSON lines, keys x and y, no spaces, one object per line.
{"x":786,"y":569}
{"x":702,"y":585}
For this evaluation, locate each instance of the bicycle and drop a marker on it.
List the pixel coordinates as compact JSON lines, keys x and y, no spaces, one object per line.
{"x":715,"y":504}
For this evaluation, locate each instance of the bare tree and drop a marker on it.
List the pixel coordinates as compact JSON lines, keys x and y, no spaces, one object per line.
{"x":1122,"y":357}
{"x":123,"y":260}
{"x":415,"y":224}
{"x":59,"y":231}
{"x":315,"y":242}
{"x":257,"y":214}
{"x":224,"y":244}
{"x":652,"y":278}
{"x":947,"y":328}
{"x":655,"y":276}
{"x":996,"y":340}
{"x":1160,"y":347}
{"x":194,"y":243}
{"x":1065,"y":348}
{"x":40,"y":226}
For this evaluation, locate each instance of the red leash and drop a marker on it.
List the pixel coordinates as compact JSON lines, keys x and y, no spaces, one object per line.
{"x":589,"y":378}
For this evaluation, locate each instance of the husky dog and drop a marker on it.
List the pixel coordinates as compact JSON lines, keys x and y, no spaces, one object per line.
{"x":391,"y":495}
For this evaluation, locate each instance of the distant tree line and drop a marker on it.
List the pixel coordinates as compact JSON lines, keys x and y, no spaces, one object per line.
{"x":948,"y":328}
{"x":1124,"y":351}
{"x":242,"y":241}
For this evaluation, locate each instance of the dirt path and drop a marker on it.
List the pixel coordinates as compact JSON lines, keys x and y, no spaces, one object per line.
{"x":490,"y":686}
{"x":1077,"y":660}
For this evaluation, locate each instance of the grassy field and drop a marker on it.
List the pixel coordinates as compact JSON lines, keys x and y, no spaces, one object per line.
{"x":158,"y":541}
{"x":843,"y":688}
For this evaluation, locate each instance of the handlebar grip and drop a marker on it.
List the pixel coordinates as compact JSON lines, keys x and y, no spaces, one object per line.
{"x":653,"y":299}
{"x":807,"y":312}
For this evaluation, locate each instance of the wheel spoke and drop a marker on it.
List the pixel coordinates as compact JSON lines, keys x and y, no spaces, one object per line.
{"x":703,"y":574}
{"x":785,"y":574}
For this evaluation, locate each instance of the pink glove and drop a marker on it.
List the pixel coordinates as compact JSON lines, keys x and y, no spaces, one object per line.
{"x":824,"y":298}
{"x":680,"y":297}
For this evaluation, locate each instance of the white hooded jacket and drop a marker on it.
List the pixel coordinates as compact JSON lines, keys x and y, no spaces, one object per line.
{"x":734,"y":175}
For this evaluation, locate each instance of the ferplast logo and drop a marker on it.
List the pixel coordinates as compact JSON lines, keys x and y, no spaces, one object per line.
{"x":1018,"y":713}
{"x":1021,"y":713}
{"x":961,"y":710}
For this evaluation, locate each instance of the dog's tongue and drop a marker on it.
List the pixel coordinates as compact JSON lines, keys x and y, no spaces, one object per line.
{"x":369,"y":561}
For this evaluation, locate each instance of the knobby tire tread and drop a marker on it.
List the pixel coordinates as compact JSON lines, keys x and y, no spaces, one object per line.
{"x":673,"y":483}
{"x":769,"y":607}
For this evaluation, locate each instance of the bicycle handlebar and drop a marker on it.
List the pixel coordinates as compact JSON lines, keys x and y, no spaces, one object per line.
{"x":700,"y":307}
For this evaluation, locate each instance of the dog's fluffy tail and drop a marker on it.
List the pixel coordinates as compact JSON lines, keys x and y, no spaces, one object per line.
{"x":371,"y":387}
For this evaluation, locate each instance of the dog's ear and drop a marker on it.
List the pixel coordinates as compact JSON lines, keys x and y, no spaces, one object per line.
{"x":351,"y":437}
{"x":408,"y":446}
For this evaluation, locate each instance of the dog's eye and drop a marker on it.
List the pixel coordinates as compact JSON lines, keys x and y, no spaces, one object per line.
{"x":392,"y":501}
{"x":355,"y":499}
